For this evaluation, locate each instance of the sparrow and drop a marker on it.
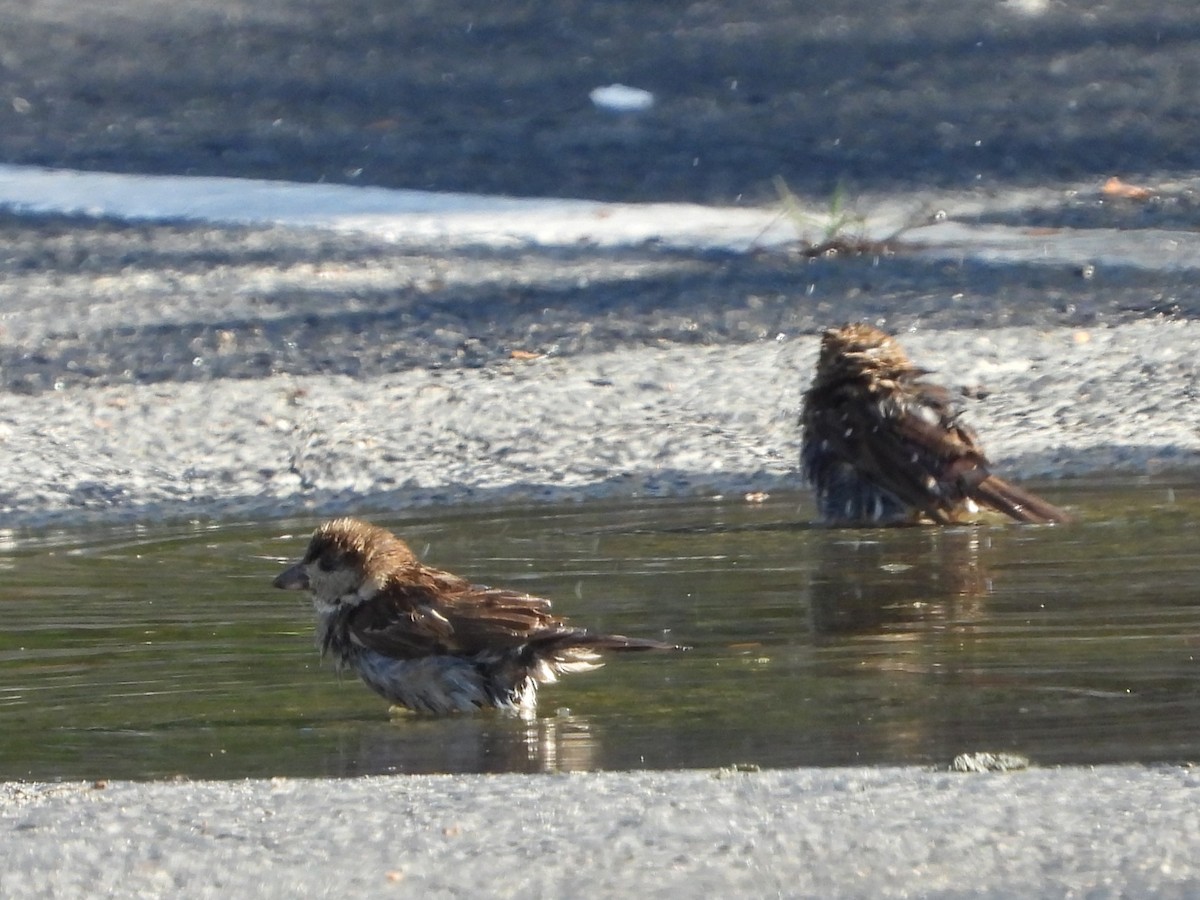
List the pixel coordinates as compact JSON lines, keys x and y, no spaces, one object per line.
{"x":431,"y":641}
{"x":881,"y":445}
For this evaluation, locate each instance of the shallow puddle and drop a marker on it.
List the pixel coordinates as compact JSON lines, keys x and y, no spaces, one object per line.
{"x":153,"y":652}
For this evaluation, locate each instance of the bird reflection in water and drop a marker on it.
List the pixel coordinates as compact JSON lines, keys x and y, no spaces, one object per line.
{"x":483,"y":744}
{"x":898,"y":581}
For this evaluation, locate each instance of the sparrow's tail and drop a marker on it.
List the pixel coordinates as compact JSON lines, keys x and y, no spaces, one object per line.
{"x":576,"y":650}
{"x":1023,"y":506}
{"x":586,"y":640}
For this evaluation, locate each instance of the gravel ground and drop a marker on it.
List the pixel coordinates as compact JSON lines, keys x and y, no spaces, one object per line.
{"x":156,"y":371}
{"x":160,"y":371}
{"x":1105,"y":832}
{"x":637,"y":422}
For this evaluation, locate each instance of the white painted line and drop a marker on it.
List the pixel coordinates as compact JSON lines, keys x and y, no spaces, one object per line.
{"x":458,"y":220}
{"x":398,"y":215}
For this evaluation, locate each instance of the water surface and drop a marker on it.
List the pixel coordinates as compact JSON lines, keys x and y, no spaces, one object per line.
{"x":159,"y":651}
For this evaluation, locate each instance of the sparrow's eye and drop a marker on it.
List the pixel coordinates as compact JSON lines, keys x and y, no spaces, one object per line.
{"x":326,"y":563}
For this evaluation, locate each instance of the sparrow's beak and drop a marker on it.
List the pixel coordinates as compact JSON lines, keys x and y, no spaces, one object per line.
{"x":292,"y":579}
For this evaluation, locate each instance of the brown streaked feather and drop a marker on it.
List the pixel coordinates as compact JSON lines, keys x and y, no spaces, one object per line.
{"x":354,"y":542}
{"x":577,"y":637}
{"x":414,"y":619}
{"x":1017,"y":502}
{"x":897,"y":454}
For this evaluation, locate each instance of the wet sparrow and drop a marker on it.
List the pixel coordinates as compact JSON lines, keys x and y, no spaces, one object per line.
{"x":431,"y":641}
{"x":881,"y":445}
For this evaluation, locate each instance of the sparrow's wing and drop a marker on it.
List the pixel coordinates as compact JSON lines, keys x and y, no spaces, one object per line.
{"x":445,"y":614}
{"x":957,"y":462}
{"x":927,"y":425}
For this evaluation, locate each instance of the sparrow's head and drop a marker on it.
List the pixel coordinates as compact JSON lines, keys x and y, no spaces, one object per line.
{"x":347,"y":561}
{"x":860,"y":350}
